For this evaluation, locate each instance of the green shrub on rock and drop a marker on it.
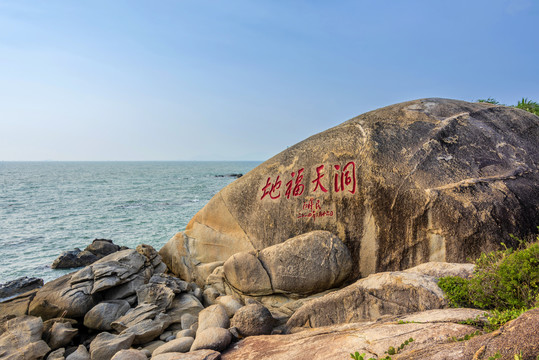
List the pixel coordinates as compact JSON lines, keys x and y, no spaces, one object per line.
{"x":503,"y":279}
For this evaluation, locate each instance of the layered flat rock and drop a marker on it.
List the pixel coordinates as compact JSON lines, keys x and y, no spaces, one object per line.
{"x":388,"y":293}
{"x":425,"y":180}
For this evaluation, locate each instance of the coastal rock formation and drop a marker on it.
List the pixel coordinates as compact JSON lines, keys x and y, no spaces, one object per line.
{"x":388,"y":293}
{"x":114,"y":277}
{"x":371,"y":338}
{"x":425,"y":180}
{"x":306,"y":264}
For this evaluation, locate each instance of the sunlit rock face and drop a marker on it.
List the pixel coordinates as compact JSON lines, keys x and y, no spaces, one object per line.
{"x":425,"y":180}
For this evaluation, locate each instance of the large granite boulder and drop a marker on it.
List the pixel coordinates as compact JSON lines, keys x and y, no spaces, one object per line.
{"x":306,"y":264}
{"x":425,"y":180}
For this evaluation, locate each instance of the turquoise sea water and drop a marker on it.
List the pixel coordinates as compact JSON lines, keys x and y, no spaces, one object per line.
{"x":49,"y":207}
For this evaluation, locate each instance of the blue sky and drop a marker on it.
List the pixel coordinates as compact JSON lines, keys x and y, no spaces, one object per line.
{"x":241,"y":80}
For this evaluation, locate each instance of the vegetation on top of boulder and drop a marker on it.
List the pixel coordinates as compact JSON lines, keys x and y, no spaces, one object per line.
{"x":504,"y":281}
{"x":524,"y":104}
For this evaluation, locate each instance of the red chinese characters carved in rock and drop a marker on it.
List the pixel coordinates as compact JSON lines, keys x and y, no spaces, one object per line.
{"x":346,"y":179}
{"x":298,"y":187}
{"x":318,"y":181}
{"x":271,"y":189}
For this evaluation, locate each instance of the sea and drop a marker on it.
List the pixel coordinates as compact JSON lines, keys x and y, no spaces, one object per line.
{"x":50,"y":207}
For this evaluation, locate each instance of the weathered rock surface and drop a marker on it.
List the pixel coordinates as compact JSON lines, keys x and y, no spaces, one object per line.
{"x":230,"y":304}
{"x":518,"y":337}
{"x":20,"y":339}
{"x":214,"y":338}
{"x":158,"y":294}
{"x":19,"y":286}
{"x":17,"y":305}
{"x":115,"y":276}
{"x":80,"y":354}
{"x":105,"y":345}
{"x":388,"y":293}
{"x":61,"y":297}
{"x":213,"y":316}
{"x":103,"y":314}
{"x":253,"y":320}
{"x":149,"y":329}
{"x":194,"y":355}
{"x":61,"y":334}
{"x":306,"y":264}
{"x":439,"y":269}
{"x":425,"y":180}
{"x":429,"y":329}
{"x":181,"y":345}
{"x":129,"y":354}
{"x":57,"y":354}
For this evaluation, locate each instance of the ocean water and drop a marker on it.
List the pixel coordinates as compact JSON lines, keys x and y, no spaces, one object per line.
{"x":49,"y":207}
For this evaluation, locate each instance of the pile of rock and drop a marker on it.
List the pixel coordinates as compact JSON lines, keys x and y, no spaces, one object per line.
{"x":125,"y":306}
{"x":98,"y":249}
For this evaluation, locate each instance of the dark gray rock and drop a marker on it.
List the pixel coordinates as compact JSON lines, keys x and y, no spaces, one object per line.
{"x":102,"y":247}
{"x":253,"y":320}
{"x":19,"y":286}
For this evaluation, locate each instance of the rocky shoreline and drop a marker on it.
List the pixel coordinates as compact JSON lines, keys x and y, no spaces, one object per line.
{"x":333,"y":247}
{"x":128,"y":306}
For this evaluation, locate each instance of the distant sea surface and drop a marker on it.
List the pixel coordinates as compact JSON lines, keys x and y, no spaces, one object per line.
{"x":49,"y":207}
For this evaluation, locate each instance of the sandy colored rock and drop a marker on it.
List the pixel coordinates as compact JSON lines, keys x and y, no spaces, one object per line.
{"x":213,"y":338}
{"x":388,"y":293}
{"x":306,"y":264}
{"x":149,"y":329}
{"x":103,"y":314}
{"x":440,"y":269}
{"x":338,"y":341}
{"x":213,"y":316}
{"x":18,"y":305}
{"x":157,"y":294}
{"x":183,"y":304}
{"x":181,"y":345}
{"x":194,"y":355}
{"x":129,"y":354}
{"x":20,"y":339}
{"x":425,"y":180}
{"x":134,"y":316}
{"x":105,"y":345}
{"x":57,"y":354}
{"x":61,"y":334}
{"x":520,"y":336}
{"x":60,"y":298}
{"x":80,"y":354}
{"x":230,"y":304}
